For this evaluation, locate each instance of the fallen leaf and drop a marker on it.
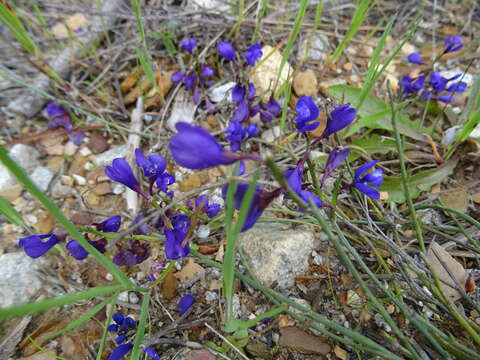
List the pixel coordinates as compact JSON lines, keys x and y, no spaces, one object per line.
{"x":259,"y":350}
{"x":169,"y":287}
{"x":202,"y":354}
{"x":449,"y":271}
{"x":131,"y":79}
{"x":303,"y":342}
{"x":456,"y":199}
{"x":190,"y":272}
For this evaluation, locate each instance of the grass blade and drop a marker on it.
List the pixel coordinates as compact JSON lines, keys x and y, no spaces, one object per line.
{"x":12,"y":215}
{"x":11,"y":20}
{"x":108,"y":320}
{"x":21,"y":310}
{"x":53,"y":209}
{"x":142,"y":324}
{"x":357,"y":20}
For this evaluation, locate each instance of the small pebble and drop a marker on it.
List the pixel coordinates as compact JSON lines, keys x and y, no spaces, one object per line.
{"x":133,"y":298}
{"x":80,"y":180}
{"x":109,"y":277}
{"x":118,"y":189}
{"x":85,"y":151}
{"x":211,"y":296}
{"x":123,"y":296}
{"x":203,"y":231}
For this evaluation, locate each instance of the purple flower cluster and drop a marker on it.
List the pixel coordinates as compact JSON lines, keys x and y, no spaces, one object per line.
{"x":437,"y":87}
{"x":61,"y":118}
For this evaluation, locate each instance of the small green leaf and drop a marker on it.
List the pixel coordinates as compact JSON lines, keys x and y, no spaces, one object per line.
{"x":10,"y":213}
{"x":417,"y":183}
{"x":375,"y":114}
{"x":377,"y":144}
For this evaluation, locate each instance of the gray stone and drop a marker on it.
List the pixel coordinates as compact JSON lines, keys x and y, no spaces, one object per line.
{"x":20,"y":279}
{"x":60,"y":191}
{"x":106,"y":158}
{"x":214,"y":5}
{"x":25,"y":156}
{"x":42,"y":177}
{"x":318,"y":47}
{"x":276,"y":254}
{"x":222,"y":92}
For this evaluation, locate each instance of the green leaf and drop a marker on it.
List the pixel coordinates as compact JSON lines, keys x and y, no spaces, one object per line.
{"x":417,"y":183}
{"x":375,"y":114}
{"x":7,"y":210}
{"x":377,"y":144}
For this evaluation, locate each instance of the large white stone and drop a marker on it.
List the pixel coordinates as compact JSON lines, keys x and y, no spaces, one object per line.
{"x":20,"y":279}
{"x":277,"y":254}
{"x":106,"y":158}
{"x":25,"y":156}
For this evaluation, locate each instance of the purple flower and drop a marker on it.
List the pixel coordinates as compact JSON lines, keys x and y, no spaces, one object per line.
{"x":164,"y":180}
{"x":61,"y":121}
{"x":238,"y":93}
{"x":226,"y":50}
{"x":374,"y":178}
{"x":118,"y":318}
{"x":177,"y":77}
{"x":190,"y":80}
{"x":410,"y":86}
{"x":54,"y":109}
{"x":76,"y":250}
{"x":195,"y":148}
{"x":452,"y":43}
{"x":335,"y":159}
{"x":120,"y":339}
{"x":185,"y":303}
{"x":175,"y":237}
{"x":142,"y":229}
{"x":415,"y":58}
{"x":294,"y":180}
{"x":120,"y":351}
{"x":153,"y":165}
{"x":77,"y":137}
{"x":207,"y":71}
{"x":458,"y":87}
{"x":339,"y":119}
{"x":120,"y":171}
{"x":270,"y":110}
{"x":112,"y":224}
{"x":242,"y":112}
{"x":37,"y":245}
{"x":253,"y":53}
{"x":210,"y":209}
{"x":446,"y":98}
{"x":307,"y":111}
{"x":112,"y":328}
{"x":438,"y":82}
{"x":152,"y":353}
{"x":261,"y":199}
{"x":134,"y":253}
{"x":189,"y":44}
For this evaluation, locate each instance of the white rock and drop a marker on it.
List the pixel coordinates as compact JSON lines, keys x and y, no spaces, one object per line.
{"x":265,"y":74}
{"x":20,"y":279}
{"x":211,"y":296}
{"x":466,"y":77}
{"x":475,"y":134}
{"x":123,"y":296}
{"x":42,"y":176}
{"x":203,"y":231}
{"x":318,"y":47}
{"x":271,"y":134}
{"x":80,"y":180}
{"x":118,"y":189}
{"x":217,"y":5}
{"x":25,"y":156}
{"x":183,"y":110}
{"x":106,"y":158}
{"x":70,"y":148}
{"x":85,"y":151}
{"x":276,"y":254}
{"x":221,"y":92}
{"x":133,"y":298}
{"x":60,"y":191}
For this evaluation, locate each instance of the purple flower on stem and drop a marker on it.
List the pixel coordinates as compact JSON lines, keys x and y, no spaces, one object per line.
{"x":120,"y":351}
{"x":195,"y":148}
{"x":438,"y":82}
{"x":452,"y":43}
{"x":185,"y":303}
{"x":270,"y":110}
{"x":261,"y":199}
{"x":457,"y":87}
{"x":374,"y":178}
{"x":238,"y":93}
{"x":253,"y":53}
{"x":54,"y":109}
{"x":238,"y":133}
{"x":190,"y":80}
{"x":294,"y":180}
{"x":207,"y":71}
{"x":112,"y":224}
{"x":142,"y":229}
{"x":175,"y":245}
{"x":153,"y":165}
{"x":120,"y":171}
{"x":415,"y":58}
{"x":177,"y":77}
{"x":189,"y":44}
{"x":335,"y":159}
{"x":38,"y":245}
{"x":134,"y":253}
{"x":307,"y":113}
{"x":76,"y":250}
{"x":339,"y":119}
{"x":210,"y":209}
{"x":411,"y":86}
{"x":226,"y":50}
{"x":152,"y":353}
{"x":164,"y":180}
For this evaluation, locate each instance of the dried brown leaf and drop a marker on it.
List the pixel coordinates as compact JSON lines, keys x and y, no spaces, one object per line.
{"x":303,"y":342}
